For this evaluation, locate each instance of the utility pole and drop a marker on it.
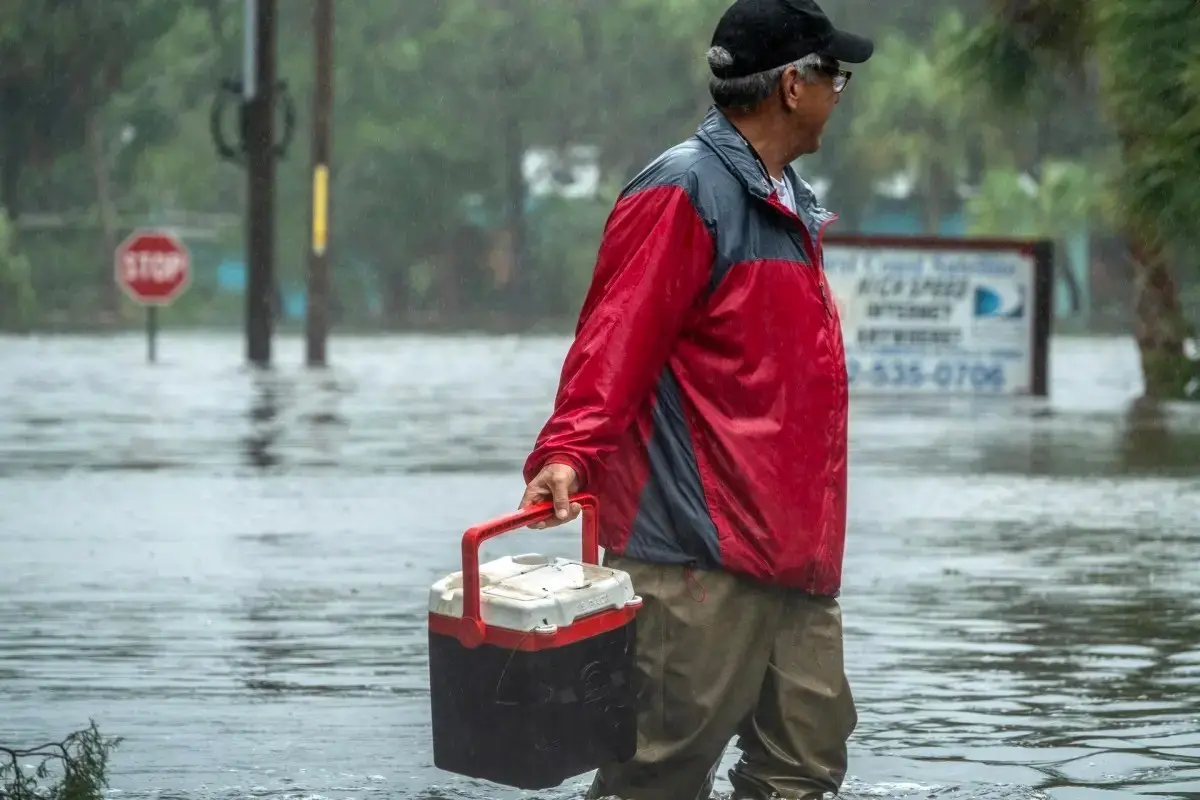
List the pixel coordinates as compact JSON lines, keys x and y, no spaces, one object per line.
{"x":317,"y":314}
{"x":259,"y":88}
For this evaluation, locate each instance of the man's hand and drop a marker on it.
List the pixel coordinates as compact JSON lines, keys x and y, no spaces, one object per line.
{"x":555,"y":482}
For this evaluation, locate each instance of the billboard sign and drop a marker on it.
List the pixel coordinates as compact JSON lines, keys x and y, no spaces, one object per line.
{"x":945,"y":316}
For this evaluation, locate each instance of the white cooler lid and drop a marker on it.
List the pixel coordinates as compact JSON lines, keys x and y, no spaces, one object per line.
{"x":526,"y":592}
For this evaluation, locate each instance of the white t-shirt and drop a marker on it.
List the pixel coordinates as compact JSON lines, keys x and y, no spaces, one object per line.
{"x":786,"y":196}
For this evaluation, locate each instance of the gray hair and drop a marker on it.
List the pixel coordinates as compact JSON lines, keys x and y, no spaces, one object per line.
{"x":747,"y":92}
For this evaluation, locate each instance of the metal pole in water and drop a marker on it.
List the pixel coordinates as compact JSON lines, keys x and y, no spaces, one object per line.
{"x":249,"y":37}
{"x":152,"y":334}
{"x":259,"y":130}
{"x":317,"y":313}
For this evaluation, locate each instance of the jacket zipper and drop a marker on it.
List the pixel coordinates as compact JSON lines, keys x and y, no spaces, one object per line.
{"x":806,"y":245}
{"x":814,"y":258}
{"x":821,"y":261}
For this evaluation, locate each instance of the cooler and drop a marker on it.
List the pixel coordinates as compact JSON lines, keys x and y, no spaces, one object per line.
{"x":531,"y":661}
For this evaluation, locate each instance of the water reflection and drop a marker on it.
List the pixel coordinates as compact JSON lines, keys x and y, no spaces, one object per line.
{"x":295,"y":642}
{"x":1135,"y":439}
{"x":230,"y":568}
{"x":1161,"y":438}
{"x":264,"y":432}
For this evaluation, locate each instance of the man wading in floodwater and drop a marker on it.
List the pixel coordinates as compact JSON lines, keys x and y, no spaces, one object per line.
{"x":704,"y":400}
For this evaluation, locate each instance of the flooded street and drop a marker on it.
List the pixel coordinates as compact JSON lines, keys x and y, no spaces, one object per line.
{"x":231,"y":571}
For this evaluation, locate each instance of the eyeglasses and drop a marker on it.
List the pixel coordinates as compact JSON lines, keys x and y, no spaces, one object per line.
{"x":840,"y":78}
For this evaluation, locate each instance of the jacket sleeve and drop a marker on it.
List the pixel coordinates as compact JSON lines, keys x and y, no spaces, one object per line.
{"x":655,"y":259}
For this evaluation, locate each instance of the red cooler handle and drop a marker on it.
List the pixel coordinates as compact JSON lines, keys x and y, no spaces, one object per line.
{"x":472,"y":630}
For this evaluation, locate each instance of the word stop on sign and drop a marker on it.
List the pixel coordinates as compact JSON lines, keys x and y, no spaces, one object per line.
{"x":146,"y":267}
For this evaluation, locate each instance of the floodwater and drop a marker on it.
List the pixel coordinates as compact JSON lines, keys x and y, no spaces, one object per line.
{"x":231,"y":570}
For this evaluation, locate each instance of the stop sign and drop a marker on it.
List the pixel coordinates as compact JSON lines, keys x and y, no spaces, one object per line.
{"x":153,"y":267}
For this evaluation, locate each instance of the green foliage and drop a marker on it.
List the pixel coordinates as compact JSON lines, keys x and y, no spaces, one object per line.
{"x":1150,"y":70}
{"x":1068,"y":198}
{"x":569,"y":237}
{"x":1028,"y":64}
{"x":916,"y":117}
{"x":432,"y":102}
{"x":434,"y":105}
{"x":1023,"y":46}
{"x":1151,"y":75}
{"x":74,"y":769}
{"x":60,"y":60}
{"x":992,"y":57}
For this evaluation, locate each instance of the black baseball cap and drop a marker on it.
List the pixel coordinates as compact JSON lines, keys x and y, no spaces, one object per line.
{"x":764,"y":34}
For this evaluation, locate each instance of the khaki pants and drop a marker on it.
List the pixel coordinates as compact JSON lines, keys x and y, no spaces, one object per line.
{"x":719,"y":655}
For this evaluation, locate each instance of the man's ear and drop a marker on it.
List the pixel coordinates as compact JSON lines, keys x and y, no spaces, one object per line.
{"x":792,"y":86}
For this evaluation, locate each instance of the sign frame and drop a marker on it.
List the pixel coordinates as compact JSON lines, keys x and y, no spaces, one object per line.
{"x":1039,"y":251}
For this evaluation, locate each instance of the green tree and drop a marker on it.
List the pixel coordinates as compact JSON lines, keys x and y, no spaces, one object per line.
{"x":435,"y":106}
{"x":1145,"y":52}
{"x":62,"y":62}
{"x":1069,"y":197}
{"x":917,"y":119}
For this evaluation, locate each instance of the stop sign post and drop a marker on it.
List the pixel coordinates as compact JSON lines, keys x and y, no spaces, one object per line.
{"x":153,"y":268}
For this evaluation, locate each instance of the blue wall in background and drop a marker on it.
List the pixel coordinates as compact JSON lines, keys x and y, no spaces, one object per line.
{"x":901,"y":223}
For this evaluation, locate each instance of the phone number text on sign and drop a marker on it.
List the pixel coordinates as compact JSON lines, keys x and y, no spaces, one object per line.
{"x":942,"y":375}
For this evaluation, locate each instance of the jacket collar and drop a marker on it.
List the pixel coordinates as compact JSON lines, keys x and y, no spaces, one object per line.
{"x":723,"y":138}
{"x":731,"y":147}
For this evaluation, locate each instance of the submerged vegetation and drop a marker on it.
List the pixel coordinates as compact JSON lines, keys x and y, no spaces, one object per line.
{"x":75,"y":768}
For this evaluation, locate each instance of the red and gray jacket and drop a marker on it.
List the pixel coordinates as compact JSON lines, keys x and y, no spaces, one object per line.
{"x":704,"y":398}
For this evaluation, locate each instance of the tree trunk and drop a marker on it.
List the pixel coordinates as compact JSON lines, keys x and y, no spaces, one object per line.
{"x":109,"y":224}
{"x":1062,"y":266}
{"x":1159,"y":324}
{"x":10,"y":176}
{"x":397,"y":296}
{"x":467,"y":247}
